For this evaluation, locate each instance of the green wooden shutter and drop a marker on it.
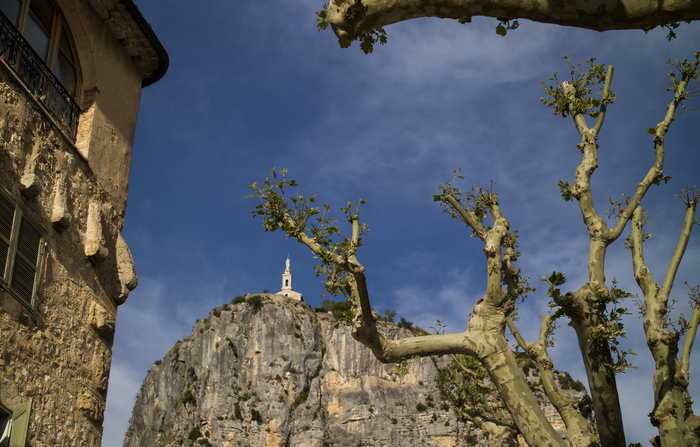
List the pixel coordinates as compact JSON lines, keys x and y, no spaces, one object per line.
{"x":26,"y":263}
{"x":21,"y":250}
{"x":20,"y":425}
{"x":7,"y":215}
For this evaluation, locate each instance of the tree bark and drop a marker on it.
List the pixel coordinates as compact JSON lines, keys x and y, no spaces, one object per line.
{"x":352,"y":18}
{"x":670,"y":381}
{"x":578,"y":429}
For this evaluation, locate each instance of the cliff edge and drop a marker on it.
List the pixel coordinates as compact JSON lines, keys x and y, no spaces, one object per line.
{"x":272,"y":372}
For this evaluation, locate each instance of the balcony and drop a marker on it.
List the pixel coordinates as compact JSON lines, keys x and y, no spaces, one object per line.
{"x":38,"y":78}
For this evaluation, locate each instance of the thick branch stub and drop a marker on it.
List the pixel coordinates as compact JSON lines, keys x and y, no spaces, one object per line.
{"x":351,"y":18}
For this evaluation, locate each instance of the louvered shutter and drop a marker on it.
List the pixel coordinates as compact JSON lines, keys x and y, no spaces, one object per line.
{"x":7,"y":215}
{"x":20,"y":425}
{"x":26,"y":262}
{"x":21,"y":250}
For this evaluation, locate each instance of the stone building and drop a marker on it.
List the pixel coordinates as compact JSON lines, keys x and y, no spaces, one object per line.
{"x":70,"y":85}
{"x":287,"y":285}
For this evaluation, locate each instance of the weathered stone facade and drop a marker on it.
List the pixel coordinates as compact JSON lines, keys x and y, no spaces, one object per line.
{"x":57,"y":351}
{"x":274,"y":373}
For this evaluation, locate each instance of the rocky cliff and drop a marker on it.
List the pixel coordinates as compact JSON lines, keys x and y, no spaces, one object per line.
{"x":276,"y":373}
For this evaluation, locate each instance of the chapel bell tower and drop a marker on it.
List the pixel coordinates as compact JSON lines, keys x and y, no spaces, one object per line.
{"x":287,"y":284}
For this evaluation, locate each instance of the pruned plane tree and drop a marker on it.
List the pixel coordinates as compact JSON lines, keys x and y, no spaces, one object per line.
{"x":594,"y":310}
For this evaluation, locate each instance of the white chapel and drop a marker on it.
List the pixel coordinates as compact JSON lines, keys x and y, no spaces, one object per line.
{"x":287,"y":285}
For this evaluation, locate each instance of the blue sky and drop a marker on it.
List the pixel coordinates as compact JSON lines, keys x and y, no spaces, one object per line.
{"x":252,"y":85}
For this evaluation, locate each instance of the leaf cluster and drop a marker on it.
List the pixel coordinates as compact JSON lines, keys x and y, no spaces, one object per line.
{"x":322,"y":18}
{"x":477,"y":201}
{"x":299,"y":219}
{"x":688,"y":70}
{"x":367,"y":40}
{"x":341,"y":310}
{"x":562,"y":303}
{"x":465,"y":385}
{"x":574,"y":97}
{"x":611,"y":329}
{"x":504,"y":26}
{"x":690,"y":196}
{"x":401,"y":367}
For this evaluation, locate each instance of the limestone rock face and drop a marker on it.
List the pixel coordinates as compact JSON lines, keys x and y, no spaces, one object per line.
{"x":283,"y":375}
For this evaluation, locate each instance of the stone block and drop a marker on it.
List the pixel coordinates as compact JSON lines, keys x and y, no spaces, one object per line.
{"x":101,"y":321}
{"x":92,"y":407}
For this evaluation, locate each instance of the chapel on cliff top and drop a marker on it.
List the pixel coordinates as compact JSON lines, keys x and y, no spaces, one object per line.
{"x":287,"y":285}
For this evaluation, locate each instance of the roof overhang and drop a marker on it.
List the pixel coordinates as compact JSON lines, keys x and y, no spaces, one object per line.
{"x":136,"y":36}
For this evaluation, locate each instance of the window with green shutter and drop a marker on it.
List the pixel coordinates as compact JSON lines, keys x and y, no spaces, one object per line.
{"x":21,"y":251}
{"x":15,"y":425}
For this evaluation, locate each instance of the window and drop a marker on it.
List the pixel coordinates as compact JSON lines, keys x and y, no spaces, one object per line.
{"x":21,"y":249}
{"x":36,"y":42}
{"x":42,"y":25}
{"x":14,"y":426}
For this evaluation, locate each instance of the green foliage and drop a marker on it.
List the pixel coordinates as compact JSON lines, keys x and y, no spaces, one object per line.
{"x":680,"y":325}
{"x":566,"y":382}
{"x":300,"y":399}
{"x":239,"y":299}
{"x":478,"y":200}
{"x":420,"y":407}
{"x":617,"y":207}
{"x":318,"y":370}
{"x":194,"y":434}
{"x":687,"y":70}
{"x":255,"y":416}
{"x":256,"y":302}
{"x":232,"y":346}
{"x":401,"y":367}
{"x":612,"y":328}
{"x":322,"y":18}
{"x":573,"y":98}
{"x":389,"y":316}
{"x":565,"y":190}
{"x":187,"y":398}
{"x":604,"y":303}
{"x":526,"y":363}
{"x":367,"y":40}
{"x":237,"y":411}
{"x":303,"y":221}
{"x":555,"y":280}
{"x":405,"y":324}
{"x":475,"y":205}
{"x":464,"y":386}
{"x":690,"y":196}
{"x":341,"y":310}
{"x":694,"y":295}
{"x":504,"y":26}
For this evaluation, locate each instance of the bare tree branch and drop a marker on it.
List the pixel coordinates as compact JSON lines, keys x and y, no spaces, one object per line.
{"x":351,"y":19}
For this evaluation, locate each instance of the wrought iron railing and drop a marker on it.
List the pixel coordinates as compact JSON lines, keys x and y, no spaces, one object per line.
{"x":22,"y":58}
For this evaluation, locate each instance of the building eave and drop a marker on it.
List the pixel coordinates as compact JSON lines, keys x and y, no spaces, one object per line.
{"x":136,"y":36}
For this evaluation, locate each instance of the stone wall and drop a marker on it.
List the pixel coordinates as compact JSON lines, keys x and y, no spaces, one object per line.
{"x":59,"y":352}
